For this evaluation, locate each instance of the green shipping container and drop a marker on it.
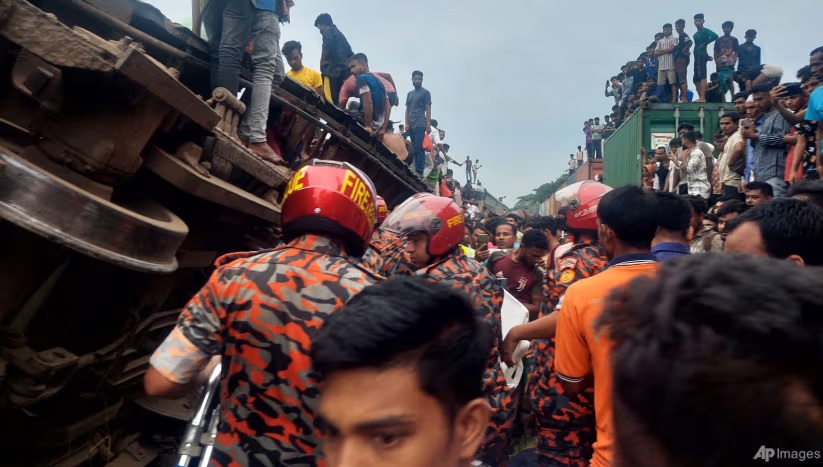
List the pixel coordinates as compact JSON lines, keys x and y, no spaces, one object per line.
{"x":654,"y":126}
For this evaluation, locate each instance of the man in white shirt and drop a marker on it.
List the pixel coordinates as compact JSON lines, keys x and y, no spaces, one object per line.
{"x":733,"y":151}
{"x":692,"y":165}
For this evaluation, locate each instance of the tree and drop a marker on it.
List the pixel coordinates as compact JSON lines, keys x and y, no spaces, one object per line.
{"x":540,"y":194}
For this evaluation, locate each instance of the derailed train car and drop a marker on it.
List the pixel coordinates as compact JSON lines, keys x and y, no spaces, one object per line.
{"x":119,"y":186}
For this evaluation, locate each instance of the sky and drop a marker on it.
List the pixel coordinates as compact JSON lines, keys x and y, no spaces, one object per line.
{"x":512,"y":82}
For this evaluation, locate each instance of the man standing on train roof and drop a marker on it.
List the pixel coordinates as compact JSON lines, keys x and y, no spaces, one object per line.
{"x":259,"y":20}
{"x":259,"y":311}
{"x":333,"y":57}
{"x":432,"y":228}
{"x":565,"y":423}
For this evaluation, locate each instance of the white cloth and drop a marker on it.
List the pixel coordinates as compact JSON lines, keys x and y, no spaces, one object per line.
{"x":696,"y":176}
{"x":666,"y":61}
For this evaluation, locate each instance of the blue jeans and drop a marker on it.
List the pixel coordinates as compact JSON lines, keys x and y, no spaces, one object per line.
{"x":417,"y":135}
{"x":778,"y":186}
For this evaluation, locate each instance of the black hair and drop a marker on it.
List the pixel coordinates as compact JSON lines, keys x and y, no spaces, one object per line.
{"x":685,"y":126}
{"x":613,"y":78}
{"x":409,"y":321}
{"x":674,"y":214}
{"x":730,"y":207}
{"x":324,"y":19}
{"x":544,"y":223}
{"x":727,"y":23}
{"x":515,"y":216}
{"x":816,"y":51}
{"x":732,"y":115}
{"x":657,"y":37}
{"x":698,"y":203}
{"x":812,"y":189}
{"x":480,"y":226}
{"x":750,"y":32}
{"x":711,"y":218}
{"x":804,"y":74}
{"x":764,"y":87}
{"x":621,"y":76}
{"x":502,"y":223}
{"x":737,"y":371}
{"x":290,"y":46}
{"x":698,"y":135}
{"x":763,"y":187}
{"x":788,"y":227}
{"x":676,"y":142}
{"x":740,"y":95}
{"x":667,"y":26}
{"x":699,"y":16}
{"x":680,"y":21}
{"x":359,"y":57}
{"x":417,"y":73}
{"x":534,"y":239}
{"x":689,"y":136}
{"x":434,"y":123}
{"x":631,"y":213}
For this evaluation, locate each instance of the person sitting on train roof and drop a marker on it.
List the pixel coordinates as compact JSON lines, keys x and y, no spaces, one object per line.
{"x":308,"y":77}
{"x":349,"y":89}
{"x":374,"y":103}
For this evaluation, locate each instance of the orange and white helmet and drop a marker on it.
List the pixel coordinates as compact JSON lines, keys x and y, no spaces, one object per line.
{"x":439,"y":218}
{"x":580,"y":201}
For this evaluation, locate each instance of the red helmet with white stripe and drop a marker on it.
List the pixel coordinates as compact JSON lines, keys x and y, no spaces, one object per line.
{"x":439,"y":218}
{"x":580,"y":201}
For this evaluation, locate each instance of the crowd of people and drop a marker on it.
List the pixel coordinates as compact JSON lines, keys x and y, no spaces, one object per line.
{"x":660,"y":74}
{"x":344,"y":79}
{"x":672,"y":324}
{"x":370,"y":337}
{"x":772,"y":139}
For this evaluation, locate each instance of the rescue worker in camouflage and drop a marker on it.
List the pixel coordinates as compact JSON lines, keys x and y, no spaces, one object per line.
{"x":379,"y":239}
{"x":432,"y":227}
{"x":259,"y":313}
{"x":565,"y":425}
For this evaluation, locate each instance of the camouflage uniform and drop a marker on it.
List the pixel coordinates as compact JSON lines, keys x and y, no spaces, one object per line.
{"x":394,"y":259}
{"x":373,"y":257}
{"x":463,"y":273}
{"x":565,"y":425}
{"x":259,"y":312}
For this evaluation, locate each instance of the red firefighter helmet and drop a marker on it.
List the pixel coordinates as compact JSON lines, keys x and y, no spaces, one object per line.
{"x":333,"y":198}
{"x":580,"y":201}
{"x":440,"y":218}
{"x":382,"y":210}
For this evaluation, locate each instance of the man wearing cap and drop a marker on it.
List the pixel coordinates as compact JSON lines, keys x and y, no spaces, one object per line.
{"x":565,"y":424}
{"x":431,"y":228}
{"x":258,"y":312}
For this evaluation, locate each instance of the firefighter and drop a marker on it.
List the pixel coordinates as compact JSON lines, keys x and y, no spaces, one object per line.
{"x":259,"y":312}
{"x":431,"y":228}
{"x":565,"y":424}
{"x":379,"y":238}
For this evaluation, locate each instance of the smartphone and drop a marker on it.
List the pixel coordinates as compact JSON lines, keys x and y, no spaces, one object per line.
{"x":744,"y":122}
{"x":482,"y":240}
{"x":792,"y":89}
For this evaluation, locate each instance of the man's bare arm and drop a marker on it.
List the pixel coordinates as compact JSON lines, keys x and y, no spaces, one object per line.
{"x":428,"y":118}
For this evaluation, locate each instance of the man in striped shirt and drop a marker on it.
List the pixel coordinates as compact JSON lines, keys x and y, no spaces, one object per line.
{"x":665,"y":60}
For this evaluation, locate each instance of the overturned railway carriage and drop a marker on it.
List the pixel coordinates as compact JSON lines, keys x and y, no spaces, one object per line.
{"x":119,"y":186}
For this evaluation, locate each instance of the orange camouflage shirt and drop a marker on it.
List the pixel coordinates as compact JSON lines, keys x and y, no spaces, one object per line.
{"x":260,"y":310}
